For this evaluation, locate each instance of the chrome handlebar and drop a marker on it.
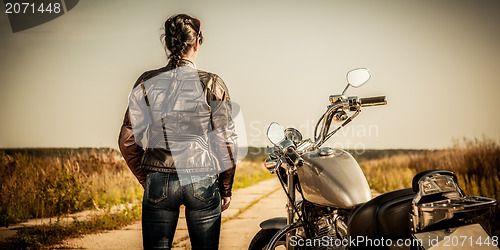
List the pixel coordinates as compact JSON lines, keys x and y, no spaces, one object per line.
{"x":343,"y":103}
{"x":339,"y":105}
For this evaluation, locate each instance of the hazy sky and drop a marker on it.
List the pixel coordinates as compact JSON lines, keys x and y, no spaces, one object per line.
{"x":65,"y":83}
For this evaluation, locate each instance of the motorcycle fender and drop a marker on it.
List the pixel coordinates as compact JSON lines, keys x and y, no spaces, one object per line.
{"x":469,"y":236}
{"x":273,"y":223}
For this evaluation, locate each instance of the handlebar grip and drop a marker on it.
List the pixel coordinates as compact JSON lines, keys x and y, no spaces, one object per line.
{"x":373,"y":101}
{"x":294,"y":157}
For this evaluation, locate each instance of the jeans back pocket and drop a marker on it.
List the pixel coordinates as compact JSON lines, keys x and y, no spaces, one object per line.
{"x":204,"y":187}
{"x":156,"y":186}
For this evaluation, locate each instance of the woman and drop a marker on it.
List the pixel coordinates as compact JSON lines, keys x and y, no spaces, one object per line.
{"x":178,"y":139}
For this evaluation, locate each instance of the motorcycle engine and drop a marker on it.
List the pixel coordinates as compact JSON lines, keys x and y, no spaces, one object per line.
{"x":326,"y":225}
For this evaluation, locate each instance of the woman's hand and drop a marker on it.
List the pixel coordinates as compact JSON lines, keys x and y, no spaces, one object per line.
{"x":225,"y":203}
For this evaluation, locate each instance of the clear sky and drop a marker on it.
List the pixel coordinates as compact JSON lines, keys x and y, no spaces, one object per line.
{"x":65,"y":83}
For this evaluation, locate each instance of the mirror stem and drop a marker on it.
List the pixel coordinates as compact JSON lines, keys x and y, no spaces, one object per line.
{"x":346,"y":87}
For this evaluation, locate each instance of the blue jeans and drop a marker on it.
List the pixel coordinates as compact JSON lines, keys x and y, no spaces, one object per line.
{"x":163,"y":195}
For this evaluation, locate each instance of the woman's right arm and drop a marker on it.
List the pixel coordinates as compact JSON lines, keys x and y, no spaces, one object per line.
{"x":134,"y":125}
{"x":130,"y":150}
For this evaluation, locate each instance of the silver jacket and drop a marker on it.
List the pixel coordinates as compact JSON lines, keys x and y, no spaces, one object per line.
{"x":179,"y":121}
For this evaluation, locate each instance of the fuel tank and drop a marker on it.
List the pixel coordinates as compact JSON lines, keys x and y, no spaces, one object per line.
{"x":332,"y":177}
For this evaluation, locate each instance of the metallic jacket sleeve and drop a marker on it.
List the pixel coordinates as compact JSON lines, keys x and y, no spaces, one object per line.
{"x":130,"y":150}
{"x":224,"y":135}
{"x":129,"y":138}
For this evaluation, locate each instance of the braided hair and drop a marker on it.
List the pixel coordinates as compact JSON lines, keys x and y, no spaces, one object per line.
{"x":181,"y":33}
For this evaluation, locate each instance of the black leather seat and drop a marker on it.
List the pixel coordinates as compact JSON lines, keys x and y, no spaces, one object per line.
{"x":387,"y":215}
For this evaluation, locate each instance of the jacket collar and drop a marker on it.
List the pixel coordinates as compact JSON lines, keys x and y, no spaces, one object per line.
{"x":180,"y":63}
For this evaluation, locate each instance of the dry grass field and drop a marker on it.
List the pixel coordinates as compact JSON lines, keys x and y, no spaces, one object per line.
{"x":475,"y":162}
{"x":50,"y":182}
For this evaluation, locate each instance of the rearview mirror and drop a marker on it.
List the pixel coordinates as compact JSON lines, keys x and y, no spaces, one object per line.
{"x":275,"y":133}
{"x":358,"y":77}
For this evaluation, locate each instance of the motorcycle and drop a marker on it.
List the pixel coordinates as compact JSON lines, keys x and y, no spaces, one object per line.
{"x":330,"y":205}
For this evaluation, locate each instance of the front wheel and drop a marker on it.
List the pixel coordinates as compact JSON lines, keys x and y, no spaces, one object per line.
{"x":262,"y":238}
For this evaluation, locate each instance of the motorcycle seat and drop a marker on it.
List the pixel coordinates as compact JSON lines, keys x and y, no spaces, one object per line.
{"x":387,"y":215}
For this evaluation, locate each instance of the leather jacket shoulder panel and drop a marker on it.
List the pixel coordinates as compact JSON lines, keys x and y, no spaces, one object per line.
{"x":149,"y":74}
{"x":217,"y":90}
